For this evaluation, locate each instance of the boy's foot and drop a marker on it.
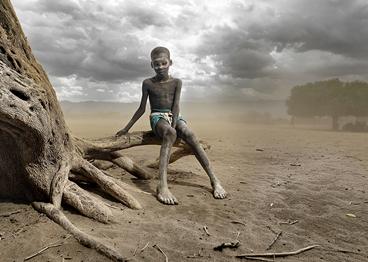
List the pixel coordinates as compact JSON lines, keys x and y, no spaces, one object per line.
{"x":165,"y":196}
{"x":218,"y":191}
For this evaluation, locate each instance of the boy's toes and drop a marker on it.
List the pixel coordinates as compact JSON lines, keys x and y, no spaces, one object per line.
{"x":171,"y":201}
{"x":168,"y":199}
{"x":220,"y":193}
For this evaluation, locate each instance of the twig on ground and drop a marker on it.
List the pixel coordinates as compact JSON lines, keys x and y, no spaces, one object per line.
{"x":11,"y":213}
{"x":352,"y":203}
{"x":135,"y":251}
{"x":289,"y":223}
{"x":159,"y":249}
{"x":13,"y":235}
{"x":271,"y":230}
{"x":344,"y":251}
{"x":53,"y":244}
{"x":235,"y":244}
{"x":277,"y":254}
{"x":260,"y":259}
{"x":237,"y":222}
{"x":273,"y":242}
{"x":205,"y":229}
{"x":237,"y":236}
{"x":145,"y":247}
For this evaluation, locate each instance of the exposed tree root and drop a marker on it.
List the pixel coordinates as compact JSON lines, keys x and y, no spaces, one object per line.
{"x":56,"y":215}
{"x":86,"y":203}
{"x":128,"y":164}
{"x":105,"y":182}
{"x":58,"y":183}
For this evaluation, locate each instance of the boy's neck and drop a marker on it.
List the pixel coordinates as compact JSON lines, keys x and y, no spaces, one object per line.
{"x":163,"y":79}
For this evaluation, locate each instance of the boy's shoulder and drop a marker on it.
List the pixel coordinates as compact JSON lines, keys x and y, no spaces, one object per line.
{"x":178,"y":80}
{"x":148,"y":80}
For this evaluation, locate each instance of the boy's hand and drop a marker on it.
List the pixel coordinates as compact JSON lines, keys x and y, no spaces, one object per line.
{"x":121,"y":132}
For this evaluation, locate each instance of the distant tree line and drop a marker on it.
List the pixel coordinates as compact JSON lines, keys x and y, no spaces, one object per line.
{"x":329,"y":98}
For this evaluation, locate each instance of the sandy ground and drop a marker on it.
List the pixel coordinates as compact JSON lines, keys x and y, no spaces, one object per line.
{"x":308,"y":176}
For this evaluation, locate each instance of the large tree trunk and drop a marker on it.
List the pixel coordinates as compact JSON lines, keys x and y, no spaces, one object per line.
{"x":39,"y":156}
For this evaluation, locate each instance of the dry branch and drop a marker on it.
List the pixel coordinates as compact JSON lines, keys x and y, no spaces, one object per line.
{"x":260,"y":259}
{"x":273,"y":242}
{"x":11,"y":213}
{"x":238,"y":222}
{"x":277,"y":254}
{"x":289,"y":223}
{"x":145,"y":247}
{"x":206,"y":230}
{"x":159,"y":249}
{"x":13,"y":235}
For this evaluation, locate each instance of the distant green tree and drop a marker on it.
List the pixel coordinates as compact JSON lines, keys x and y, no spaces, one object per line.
{"x":331,"y":97}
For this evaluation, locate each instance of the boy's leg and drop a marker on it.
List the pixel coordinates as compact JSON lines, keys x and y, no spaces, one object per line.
{"x":189,"y":137}
{"x":168,"y":134}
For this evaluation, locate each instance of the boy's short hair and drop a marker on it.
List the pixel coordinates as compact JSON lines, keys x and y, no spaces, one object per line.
{"x":158,"y":50}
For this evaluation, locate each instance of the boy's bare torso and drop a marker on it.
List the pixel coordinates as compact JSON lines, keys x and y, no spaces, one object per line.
{"x":161,"y":96}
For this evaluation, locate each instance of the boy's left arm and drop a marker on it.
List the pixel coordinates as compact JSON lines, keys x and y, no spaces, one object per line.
{"x":175,"y":108}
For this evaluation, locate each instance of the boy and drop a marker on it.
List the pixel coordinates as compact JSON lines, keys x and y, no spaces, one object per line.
{"x":163,"y":92}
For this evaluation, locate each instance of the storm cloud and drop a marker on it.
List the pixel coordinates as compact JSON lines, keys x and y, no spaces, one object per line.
{"x":222,"y":50}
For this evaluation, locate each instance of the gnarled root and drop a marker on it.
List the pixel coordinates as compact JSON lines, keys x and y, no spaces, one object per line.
{"x":58,"y":183}
{"x":90,"y":171}
{"x":86,"y":204}
{"x":58,"y":217}
{"x":128,"y":164}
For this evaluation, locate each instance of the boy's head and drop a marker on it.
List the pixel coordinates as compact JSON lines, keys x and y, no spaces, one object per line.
{"x":159,"y":50}
{"x":160,"y":58}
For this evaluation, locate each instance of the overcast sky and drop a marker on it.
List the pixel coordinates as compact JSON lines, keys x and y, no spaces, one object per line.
{"x":222,"y":50}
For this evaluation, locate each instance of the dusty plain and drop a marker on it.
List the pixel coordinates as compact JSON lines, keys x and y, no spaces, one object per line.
{"x":303,"y":181}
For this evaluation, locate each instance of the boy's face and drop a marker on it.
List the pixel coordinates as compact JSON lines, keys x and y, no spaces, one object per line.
{"x":161,"y":63}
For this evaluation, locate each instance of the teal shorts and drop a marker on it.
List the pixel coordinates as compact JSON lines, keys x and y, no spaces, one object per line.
{"x":154,"y":118}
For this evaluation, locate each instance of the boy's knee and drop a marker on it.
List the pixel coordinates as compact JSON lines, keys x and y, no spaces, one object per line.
{"x":190,"y":135}
{"x":170,"y":133}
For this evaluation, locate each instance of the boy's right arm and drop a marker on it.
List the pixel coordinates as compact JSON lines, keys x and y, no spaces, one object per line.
{"x":140,"y":111}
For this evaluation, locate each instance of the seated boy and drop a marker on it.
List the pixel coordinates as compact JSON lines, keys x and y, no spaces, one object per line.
{"x":163,"y":92}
